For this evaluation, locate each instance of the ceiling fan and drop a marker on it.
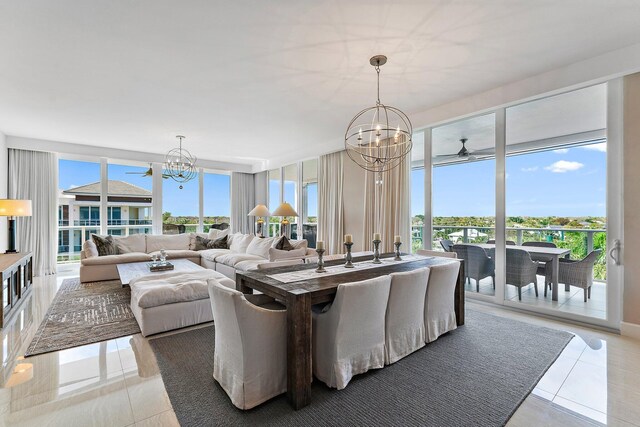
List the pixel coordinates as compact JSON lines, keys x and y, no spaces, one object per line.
{"x":462,"y":155}
{"x":148,"y":172}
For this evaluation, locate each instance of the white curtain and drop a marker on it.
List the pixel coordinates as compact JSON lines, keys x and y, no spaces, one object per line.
{"x":33,"y":175}
{"x":242,"y":201}
{"x":331,"y":203}
{"x":387,"y":207}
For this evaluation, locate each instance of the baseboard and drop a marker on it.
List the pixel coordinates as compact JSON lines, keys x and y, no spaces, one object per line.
{"x":631,"y":330}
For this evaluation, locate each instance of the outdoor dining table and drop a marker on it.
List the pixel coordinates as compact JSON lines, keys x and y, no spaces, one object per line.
{"x":538,"y":252}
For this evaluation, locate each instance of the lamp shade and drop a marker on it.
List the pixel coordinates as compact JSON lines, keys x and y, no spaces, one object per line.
{"x":259,"y":210}
{"x":285,"y":209}
{"x":9,"y":207}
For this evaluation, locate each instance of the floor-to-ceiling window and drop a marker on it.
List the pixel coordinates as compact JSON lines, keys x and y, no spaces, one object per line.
{"x":310,"y":201}
{"x":78,"y":206}
{"x":417,"y":193}
{"x":129,"y":202}
{"x":180,"y":206}
{"x":274,"y":200}
{"x":217,"y":200}
{"x":291,"y":194}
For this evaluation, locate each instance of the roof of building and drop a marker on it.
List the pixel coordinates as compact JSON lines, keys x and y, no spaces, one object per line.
{"x":116,"y":188}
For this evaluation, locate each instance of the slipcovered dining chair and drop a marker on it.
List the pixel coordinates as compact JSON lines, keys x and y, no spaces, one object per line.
{"x":348,"y":335}
{"x":508,"y":242}
{"x":577,"y":273}
{"x":250,"y":353}
{"x":426,"y":252}
{"x":521,"y":269}
{"x":544,"y":262}
{"x":404,"y":320}
{"x":477,"y":264}
{"x":439,"y":312}
{"x":446,"y":244}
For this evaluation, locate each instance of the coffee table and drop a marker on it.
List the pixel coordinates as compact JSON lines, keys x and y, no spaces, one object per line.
{"x":131,"y":270}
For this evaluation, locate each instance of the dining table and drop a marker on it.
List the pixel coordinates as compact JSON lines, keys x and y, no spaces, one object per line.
{"x":538,"y":253}
{"x":299,"y":287}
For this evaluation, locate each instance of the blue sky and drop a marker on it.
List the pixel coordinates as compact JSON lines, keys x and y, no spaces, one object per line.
{"x":179,"y":202}
{"x":289,"y":196}
{"x":567,"y":182}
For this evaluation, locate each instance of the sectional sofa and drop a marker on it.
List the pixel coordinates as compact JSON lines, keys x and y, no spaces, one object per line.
{"x":244,"y":252}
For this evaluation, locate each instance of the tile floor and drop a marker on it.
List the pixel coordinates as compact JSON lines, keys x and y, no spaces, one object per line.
{"x":116,"y":383}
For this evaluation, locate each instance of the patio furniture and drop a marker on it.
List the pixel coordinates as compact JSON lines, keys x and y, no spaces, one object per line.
{"x":426,"y":252}
{"x":446,"y":244}
{"x":508,"y":242}
{"x":477,"y":264}
{"x":544,"y":260}
{"x":521,"y":269}
{"x":578,"y":273}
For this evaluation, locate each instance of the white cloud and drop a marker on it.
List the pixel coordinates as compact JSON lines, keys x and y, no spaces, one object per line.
{"x":531,"y":169}
{"x":602,"y":147}
{"x":561,"y":151}
{"x":562,"y":166}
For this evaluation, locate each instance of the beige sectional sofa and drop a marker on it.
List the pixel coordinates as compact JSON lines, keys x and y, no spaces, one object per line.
{"x":245,"y":252}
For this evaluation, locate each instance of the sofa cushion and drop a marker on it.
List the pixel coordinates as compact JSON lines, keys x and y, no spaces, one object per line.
{"x":283,"y":244}
{"x":297,"y":244}
{"x":276,"y":254}
{"x":105,"y":244}
{"x":232,"y":258}
{"x":178,"y":253}
{"x":132,"y":243}
{"x":117,"y":259}
{"x":158,"y":242}
{"x":238,"y":242}
{"x":89,"y":249}
{"x":212,"y":254}
{"x":192,"y":239}
{"x":261,"y":247}
{"x":251,"y":264}
{"x":214,"y":233}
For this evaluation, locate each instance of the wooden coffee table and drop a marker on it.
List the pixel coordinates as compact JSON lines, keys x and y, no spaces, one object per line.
{"x":131,"y":270}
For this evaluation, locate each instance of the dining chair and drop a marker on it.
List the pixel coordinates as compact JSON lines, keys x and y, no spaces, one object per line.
{"x":446,"y":244}
{"x":404,"y":329}
{"x":348,"y":334}
{"x":477,"y":264}
{"x":545,"y":262}
{"x":250,"y":347}
{"x":439,"y":312}
{"x":521,"y":269}
{"x":426,"y":252}
{"x":578,"y":273}
{"x":508,"y":242}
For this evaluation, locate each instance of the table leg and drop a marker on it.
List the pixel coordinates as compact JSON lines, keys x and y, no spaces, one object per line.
{"x":241,"y":287}
{"x":299,"y":349}
{"x":554,"y":277}
{"x":459,"y":296}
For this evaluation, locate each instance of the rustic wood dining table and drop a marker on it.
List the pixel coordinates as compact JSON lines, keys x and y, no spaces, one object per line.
{"x":299,"y":296}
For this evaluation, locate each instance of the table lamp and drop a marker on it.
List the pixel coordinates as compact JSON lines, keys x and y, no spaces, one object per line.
{"x":13,"y":208}
{"x":285,"y":210}
{"x":260,"y":211}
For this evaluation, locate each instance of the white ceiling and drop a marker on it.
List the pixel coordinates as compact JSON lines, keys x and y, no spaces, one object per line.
{"x":251,"y":81}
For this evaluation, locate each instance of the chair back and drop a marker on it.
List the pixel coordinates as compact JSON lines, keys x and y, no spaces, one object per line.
{"x":592,"y":257}
{"x":477,"y":263}
{"x":521,"y":269}
{"x":439,"y":314}
{"x":426,"y":252}
{"x":404,"y":320}
{"x":508,"y":242}
{"x":446,"y":244}
{"x":540,"y":244}
{"x":227,"y":339}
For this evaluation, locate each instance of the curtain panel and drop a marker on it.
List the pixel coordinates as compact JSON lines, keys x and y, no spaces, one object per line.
{"x":331,"y":202}
{"x":33,"y":175}
{"x":242,"y":201}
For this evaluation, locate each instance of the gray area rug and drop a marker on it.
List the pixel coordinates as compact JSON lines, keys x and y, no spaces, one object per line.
{"x":84,"y":313}
{"x":477,"y":375}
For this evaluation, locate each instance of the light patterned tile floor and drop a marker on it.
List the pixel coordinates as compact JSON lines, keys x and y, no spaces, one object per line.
{"x":595,"y":381}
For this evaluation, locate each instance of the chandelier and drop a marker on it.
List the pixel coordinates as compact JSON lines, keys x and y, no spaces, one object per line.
{"x":379,"y":138}
{"x":180,"y":165}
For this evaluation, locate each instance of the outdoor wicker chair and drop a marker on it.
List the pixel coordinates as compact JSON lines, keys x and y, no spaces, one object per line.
{"x":545,"y":262}
{"x":477,"y":264}
{"x":577,"y":273}
{"x":446,"y":245}
{"x":521,"y":269}
{"x":508,"y":242}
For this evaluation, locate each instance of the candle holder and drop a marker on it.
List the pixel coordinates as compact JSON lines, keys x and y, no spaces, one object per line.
{"x":348,"y":256}
{"x":376,"y":252}
{"x":397,"y":258}
{"x":320,"y":268}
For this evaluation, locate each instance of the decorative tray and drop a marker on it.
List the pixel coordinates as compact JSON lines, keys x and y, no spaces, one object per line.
{"x":167,"y":266}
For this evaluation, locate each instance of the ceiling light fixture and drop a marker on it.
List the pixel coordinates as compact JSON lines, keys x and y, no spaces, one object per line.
{"x":379,"y":138}
{"x":180,"y":165}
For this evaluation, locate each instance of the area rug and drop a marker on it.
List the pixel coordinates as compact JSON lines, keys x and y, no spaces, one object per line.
{"x":477,"y":375}
{"x":84,"y":313}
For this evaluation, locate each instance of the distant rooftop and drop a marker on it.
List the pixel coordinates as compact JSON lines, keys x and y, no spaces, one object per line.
{"x":116,"y":188}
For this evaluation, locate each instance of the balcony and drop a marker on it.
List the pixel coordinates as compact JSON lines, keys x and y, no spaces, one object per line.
{"x":580,"y":241}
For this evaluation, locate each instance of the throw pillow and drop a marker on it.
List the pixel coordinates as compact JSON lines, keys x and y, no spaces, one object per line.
{"x":214,"y":233}
{"x":221,"y":243}
{"x":105,"y":245}
{"x":283,"y":244}
{"x":261,"y":247}
{"x":202,"y":243}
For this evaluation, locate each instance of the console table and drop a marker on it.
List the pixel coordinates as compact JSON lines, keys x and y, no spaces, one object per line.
{"x":16,"y":275}
{"x":299,"y":296}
